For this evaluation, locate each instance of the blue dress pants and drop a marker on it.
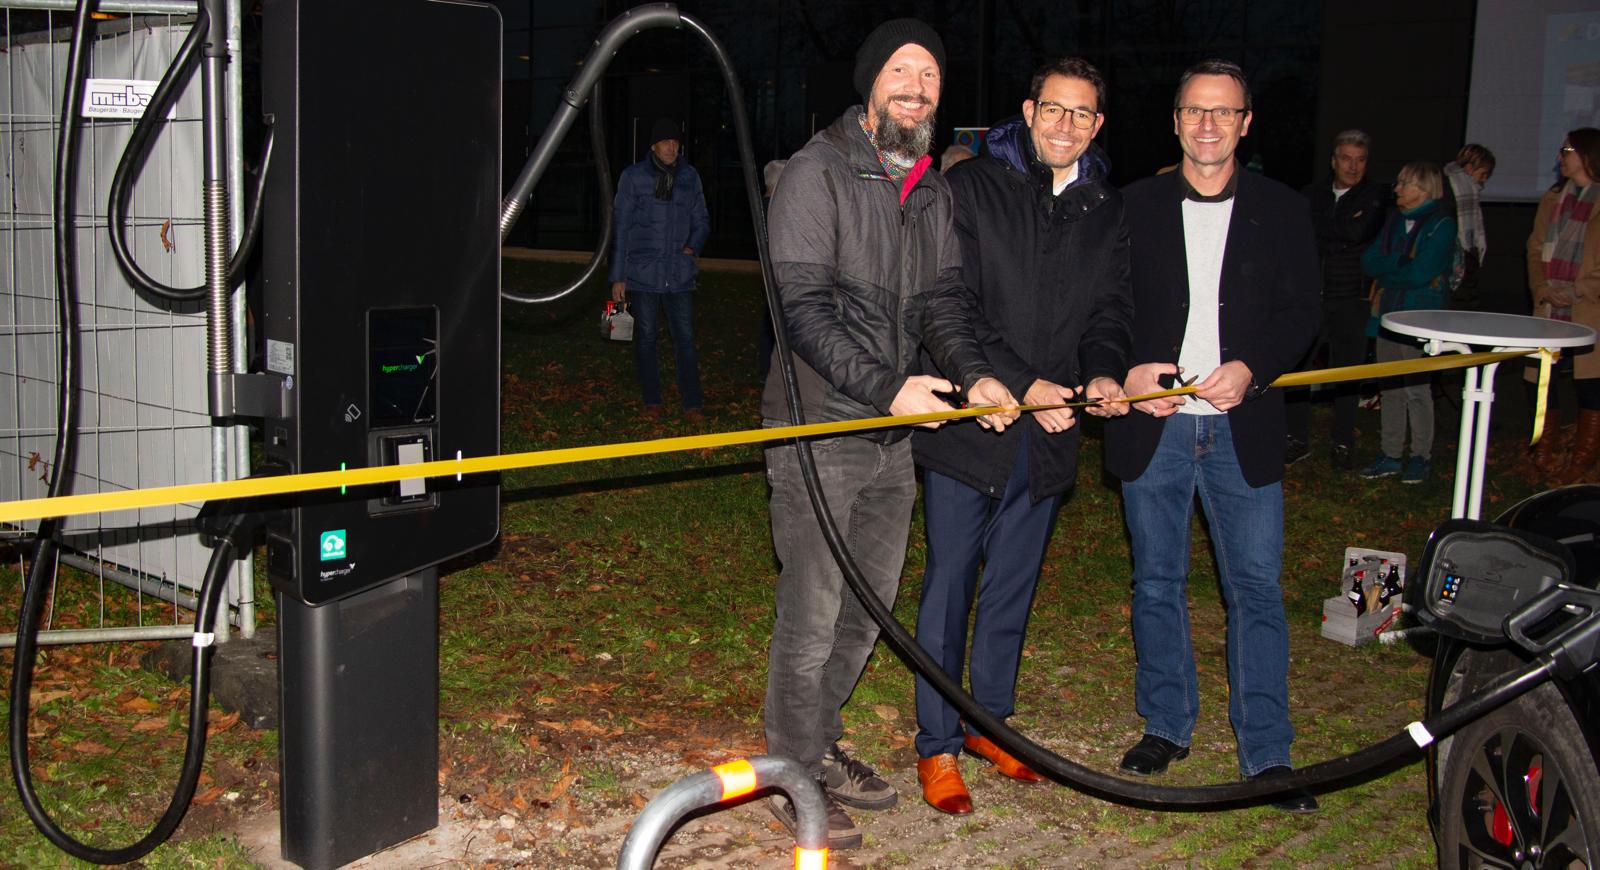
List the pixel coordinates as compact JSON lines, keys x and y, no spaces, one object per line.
{"x":1007,"y":537}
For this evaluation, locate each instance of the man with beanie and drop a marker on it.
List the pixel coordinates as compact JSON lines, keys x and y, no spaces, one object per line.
{"x":868,"y":268}
{"x":661,"y":225}
{"x":1044,"y":247}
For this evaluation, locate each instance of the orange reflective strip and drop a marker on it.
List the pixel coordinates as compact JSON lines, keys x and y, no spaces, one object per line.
{"x":810,"y":859}
{"x":738,"y":778}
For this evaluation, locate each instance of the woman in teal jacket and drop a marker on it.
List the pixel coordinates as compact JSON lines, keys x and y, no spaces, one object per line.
{"x":1410,"y":263}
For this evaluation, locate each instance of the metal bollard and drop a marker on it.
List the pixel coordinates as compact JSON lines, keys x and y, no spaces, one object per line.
{"x":727,"y":782}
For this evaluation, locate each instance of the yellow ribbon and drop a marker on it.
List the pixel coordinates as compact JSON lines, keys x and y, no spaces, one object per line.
{"x":1547,"y":359}
{"x":73,"y":505}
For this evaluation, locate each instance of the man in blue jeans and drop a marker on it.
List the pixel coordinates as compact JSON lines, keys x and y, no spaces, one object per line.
{"x":661,"y":225}
{"x":1225,"y":289}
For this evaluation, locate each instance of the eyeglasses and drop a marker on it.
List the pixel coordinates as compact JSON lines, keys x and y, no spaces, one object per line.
{"x":1568,"y":149}
{"x":1051,"y":113}
{"x":1224,"y":116}
{"x":1405,"y":182}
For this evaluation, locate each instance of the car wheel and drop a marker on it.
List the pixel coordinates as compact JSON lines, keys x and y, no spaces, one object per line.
{"x":1520,"y":790}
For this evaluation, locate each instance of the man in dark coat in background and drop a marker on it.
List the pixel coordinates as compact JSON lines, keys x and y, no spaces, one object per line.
{"x":662,"y":225}
{"x":1347,"y":211}
{"x":1045,"y":250}
{"x":1225,"y":288}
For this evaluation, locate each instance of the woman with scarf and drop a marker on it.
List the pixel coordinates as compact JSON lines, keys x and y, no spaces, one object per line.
{"x":1564,"y":275}
{"x":1410,"y":263}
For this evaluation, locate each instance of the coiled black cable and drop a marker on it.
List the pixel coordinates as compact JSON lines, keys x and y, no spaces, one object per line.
{"x":133,"y":157}
{"x":602,"y":167}
{"x":45,"y":552}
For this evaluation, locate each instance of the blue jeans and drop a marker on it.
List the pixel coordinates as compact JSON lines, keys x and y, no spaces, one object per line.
{"x":646,"y":309}
{"x":1008,"y":536}
{"x":822,"y":635}
{"x":1196,"y":454}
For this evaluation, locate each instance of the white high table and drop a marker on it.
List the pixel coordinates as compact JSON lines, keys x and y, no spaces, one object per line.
{"x":1472,"y":332}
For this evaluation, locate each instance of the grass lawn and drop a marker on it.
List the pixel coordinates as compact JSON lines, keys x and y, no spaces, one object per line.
{"x":615,"y":638}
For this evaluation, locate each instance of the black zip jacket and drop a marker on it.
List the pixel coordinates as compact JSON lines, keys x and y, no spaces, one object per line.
{"x":1052,"y":281}
{"x":1345,"y":228}
{"x":863,"y":280}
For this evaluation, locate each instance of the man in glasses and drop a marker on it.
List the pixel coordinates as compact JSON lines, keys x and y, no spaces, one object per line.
{"x":1044,"y":248}
{"x":1225,"y":286}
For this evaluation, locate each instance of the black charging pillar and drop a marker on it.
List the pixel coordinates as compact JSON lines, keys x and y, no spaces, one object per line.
{"x":382,"y":318}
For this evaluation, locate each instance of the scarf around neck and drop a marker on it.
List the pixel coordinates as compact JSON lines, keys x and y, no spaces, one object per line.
{"x":894,"y":165}
{"x":1563,"y":238}
{"x":666,"y":174}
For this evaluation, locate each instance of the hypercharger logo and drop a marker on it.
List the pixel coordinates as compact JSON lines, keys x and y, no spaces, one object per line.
{"x":116,"y":98}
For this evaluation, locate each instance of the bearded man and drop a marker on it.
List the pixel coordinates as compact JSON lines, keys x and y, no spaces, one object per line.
{"x":868,"y":268}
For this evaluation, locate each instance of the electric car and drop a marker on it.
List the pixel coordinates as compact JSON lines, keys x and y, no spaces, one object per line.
{"x":1519,"y":787}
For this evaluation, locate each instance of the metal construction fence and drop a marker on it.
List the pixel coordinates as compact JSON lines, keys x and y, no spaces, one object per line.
{"x":142,"y":363}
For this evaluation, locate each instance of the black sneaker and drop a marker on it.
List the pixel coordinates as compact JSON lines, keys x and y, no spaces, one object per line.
{"x":1294,"y":451}
{"x":853,"y":783}
{"x":842,"y":830}
{"x":1343,"y":458}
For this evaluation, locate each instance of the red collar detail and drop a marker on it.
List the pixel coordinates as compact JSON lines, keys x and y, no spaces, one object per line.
{"x":913,"y":176}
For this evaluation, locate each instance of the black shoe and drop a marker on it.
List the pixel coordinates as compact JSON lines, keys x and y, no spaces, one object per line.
{"x":1343,"y":458}
{"x":842,"y":831}
{"x":1294,"y":802}
{"x":1294,"y":451}
{"x":1151,"y":755}
{"x":852,"y":783}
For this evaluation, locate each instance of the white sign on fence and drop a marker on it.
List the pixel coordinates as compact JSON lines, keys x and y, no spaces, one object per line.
{"x":117,"y":98}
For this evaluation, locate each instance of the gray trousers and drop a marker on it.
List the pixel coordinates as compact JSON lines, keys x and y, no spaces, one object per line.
{"x":822,"y":635}
{"x":1409,"y":400}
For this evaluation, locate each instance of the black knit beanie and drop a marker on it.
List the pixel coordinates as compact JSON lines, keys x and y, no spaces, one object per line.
{"x":664,"y":128}
{"x":884,"y":41}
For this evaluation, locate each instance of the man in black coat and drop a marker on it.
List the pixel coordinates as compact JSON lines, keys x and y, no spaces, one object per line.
{"x":1045,"y":250}
{"x":1225,"y":292}
{"x":1347,"y":212}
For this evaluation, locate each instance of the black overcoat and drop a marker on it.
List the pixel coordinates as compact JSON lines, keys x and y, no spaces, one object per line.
{"x":1050,"y":277}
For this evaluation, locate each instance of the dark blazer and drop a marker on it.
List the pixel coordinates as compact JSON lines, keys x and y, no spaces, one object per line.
{"x":1267,"y":316}
{"x":1051,"y":278}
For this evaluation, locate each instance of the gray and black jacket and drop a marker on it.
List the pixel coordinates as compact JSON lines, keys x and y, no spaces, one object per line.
{"x":864,"y":280}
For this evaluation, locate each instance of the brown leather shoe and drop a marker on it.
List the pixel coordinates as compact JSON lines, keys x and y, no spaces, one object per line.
{"x":942,"y":787}
{"x":1002,"y":760}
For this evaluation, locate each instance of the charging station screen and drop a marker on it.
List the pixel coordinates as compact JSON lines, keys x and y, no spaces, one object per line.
{"x":403,"y":360}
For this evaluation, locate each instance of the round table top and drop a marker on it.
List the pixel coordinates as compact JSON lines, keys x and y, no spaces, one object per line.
{"x":1489,"y":328}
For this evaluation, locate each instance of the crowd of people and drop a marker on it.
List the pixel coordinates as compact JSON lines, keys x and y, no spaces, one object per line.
{"x":1011,"y":280}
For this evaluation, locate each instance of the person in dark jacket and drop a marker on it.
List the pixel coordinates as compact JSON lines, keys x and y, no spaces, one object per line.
{"x":661,"y":226}
{"x":1044,"y":247}
{"x":868,"y":268}
{"x":1225,"y":289}
{"x":1347,"y":210}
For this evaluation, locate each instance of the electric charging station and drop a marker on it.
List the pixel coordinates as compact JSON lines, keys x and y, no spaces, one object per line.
{"x":382,"y":322}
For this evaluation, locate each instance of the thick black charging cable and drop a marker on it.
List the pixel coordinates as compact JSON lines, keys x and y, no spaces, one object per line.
{"x":602,"y":167}
{"x":1345,"y":770}
{"x":1364,"y":764}
{"x":232,"y":538}
{"x":133,"y":157}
